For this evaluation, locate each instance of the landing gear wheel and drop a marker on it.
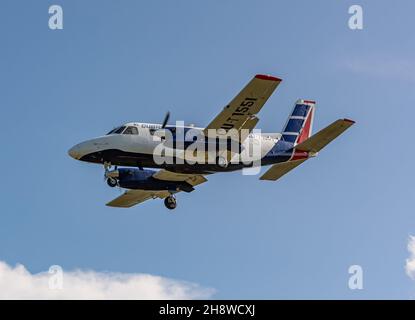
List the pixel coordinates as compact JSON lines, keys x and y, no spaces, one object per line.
{"x":221,"y":162}
{"x":170,"y":202}
{"x":112,"y":182}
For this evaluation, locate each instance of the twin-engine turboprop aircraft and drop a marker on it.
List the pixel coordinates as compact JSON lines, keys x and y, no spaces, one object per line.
{"x":185,"y":155}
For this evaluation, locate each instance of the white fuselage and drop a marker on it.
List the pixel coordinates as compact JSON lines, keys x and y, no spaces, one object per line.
{"x":145,"y":138}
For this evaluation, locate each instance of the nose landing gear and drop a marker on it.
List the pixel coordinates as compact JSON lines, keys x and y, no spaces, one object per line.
{"x":170,"y":202}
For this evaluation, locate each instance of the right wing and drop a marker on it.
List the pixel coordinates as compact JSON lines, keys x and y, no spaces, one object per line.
{"x":241,"y":111}
{"x":132,"y":197}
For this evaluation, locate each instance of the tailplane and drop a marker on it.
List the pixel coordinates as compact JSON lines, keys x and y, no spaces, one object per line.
{"x":322,"y":138}
{"x":307,"y":148}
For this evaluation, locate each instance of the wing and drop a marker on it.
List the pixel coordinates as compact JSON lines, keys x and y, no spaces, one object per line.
{"x":241,"y":111}
{"x":132,"y":197}
{"x":192,"y":179}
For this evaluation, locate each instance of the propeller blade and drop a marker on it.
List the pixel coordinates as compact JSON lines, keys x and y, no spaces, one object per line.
{"x":166,"y":119}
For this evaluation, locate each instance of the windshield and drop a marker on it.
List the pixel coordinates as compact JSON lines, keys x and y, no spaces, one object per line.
{"x":117,"y":130}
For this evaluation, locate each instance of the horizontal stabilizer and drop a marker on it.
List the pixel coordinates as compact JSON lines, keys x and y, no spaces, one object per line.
{"x":279,"y":169}
{"x":322,"y":138}
{"x":312,"y":145}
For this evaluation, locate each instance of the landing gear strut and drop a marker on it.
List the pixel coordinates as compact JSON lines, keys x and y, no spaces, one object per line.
{"x":107,"y":165}
{"x":170,"y":202}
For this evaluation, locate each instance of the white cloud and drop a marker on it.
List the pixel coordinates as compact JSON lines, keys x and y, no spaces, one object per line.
{"x":19,"y":283}
{"x":410,"y":262}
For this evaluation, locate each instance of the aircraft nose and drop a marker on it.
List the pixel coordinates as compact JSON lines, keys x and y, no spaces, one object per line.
{"x":74,"y":152}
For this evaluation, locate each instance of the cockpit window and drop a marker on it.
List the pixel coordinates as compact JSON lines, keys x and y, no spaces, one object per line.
{"x":131,"y":130}
{"x":112,"y":131}
{"x":117,"y":130}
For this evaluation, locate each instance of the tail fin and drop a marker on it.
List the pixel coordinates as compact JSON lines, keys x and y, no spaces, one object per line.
{"x":300,"y":123}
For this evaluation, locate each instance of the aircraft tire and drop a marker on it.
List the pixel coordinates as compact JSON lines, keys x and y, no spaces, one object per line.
{"x":170,"y":202}
{"x":112,"y":182}
{"x":221,"y":162}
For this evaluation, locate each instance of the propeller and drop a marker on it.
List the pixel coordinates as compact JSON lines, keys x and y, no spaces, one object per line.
{"x":166,"y":119}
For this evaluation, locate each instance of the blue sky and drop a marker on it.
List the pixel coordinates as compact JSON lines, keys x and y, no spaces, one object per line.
{"x":132,"y":61}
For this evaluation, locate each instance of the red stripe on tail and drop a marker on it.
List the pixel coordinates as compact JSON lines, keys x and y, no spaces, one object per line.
{"x":306,"y":131}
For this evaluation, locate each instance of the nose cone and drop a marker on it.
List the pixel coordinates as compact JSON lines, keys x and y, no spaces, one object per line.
{"x":74,"y":152}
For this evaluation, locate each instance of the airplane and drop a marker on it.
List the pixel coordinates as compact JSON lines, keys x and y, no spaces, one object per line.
{"x":132,"y":146}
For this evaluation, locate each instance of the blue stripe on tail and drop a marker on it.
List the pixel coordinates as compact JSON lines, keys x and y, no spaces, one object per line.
{"x":296,"y":121}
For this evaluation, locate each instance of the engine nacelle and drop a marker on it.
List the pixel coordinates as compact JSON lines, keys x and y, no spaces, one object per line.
{"x":132,"y":178}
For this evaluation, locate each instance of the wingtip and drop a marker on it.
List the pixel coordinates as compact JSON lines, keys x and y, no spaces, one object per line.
{"x":349,"y":121}
{"x":267,"y":77}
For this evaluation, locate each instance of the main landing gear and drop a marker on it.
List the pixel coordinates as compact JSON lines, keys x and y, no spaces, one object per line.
{"x":170,"y":202}
{"x":221,"y":161}
{"x":112,"y":182}
{"x":111,"y":176}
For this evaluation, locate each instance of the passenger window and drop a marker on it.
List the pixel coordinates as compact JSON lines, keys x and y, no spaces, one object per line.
{"x":131,"y":130}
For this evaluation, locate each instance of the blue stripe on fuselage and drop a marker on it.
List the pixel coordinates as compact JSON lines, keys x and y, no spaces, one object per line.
{"x":280,"y":152}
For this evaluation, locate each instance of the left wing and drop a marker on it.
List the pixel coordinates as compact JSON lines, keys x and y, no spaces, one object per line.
{"x":132,"y":197}
{"x":241,"y":111}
